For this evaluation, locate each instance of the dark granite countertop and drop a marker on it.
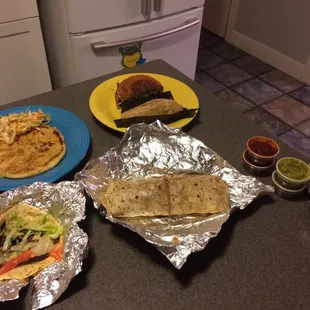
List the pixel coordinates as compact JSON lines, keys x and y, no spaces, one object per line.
{"x":260,"y":259}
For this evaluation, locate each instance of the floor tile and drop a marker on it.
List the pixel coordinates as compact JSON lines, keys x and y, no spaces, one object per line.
{"x":304,"y":128}
{"x":253,"y":65}
{"x":208,"y":82}
{"x":297,"y":141}
{"x":207,"y":59}
{"x":235,"y":100}
{"x":227,"y":51}
{"x":267,"y":121}
{"x":208,"y":39}
{"x":281,"y":80}
{"x":229,"y":74}
{"x":257,"y":91}
{"x":302,"y":94}
{"x":288,"y":110}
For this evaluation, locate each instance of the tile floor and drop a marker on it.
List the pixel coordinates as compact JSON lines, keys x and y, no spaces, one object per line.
{"x":277,"y":101}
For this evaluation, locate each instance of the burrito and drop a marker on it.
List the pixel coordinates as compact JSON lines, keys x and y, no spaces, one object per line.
{"x":166,"y":196}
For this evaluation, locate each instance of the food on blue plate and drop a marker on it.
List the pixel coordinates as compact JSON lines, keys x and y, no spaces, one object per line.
{"x":166,"y":196}
{"x":165,"y":110}
{"x":30,"y":240}
{"x":32,"y":153}
{"x":15,"y":124}
{"x":136,"y":86}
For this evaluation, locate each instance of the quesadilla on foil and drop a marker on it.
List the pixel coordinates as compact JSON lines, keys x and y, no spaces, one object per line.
{"x":30,"y":240}
{"x":166,"y":196}
{"x":165,"y":110}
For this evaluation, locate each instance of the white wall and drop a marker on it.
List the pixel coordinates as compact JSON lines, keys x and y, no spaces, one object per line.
{"x":283,"y":25}
{"x":276,"y":31}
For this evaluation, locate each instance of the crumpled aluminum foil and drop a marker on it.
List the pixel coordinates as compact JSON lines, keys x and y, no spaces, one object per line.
{"x":156,"y":150}
{"x":66,"y":202}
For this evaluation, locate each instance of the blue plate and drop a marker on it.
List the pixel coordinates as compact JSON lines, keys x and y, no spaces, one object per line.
{"x":77,"y":139}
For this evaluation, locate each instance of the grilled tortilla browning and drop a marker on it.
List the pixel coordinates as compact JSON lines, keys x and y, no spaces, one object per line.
{"x":166,"y":196}
{"x":32,"y":153}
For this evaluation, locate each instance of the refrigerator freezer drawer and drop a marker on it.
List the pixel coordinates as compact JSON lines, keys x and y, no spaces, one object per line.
{"x":175,"y":40}
{"x":93,"y":15}
{"x":167,"y":7}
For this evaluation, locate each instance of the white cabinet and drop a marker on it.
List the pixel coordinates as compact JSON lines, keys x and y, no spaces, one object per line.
{"x":11,"y":10}
{"x":23,"y":65}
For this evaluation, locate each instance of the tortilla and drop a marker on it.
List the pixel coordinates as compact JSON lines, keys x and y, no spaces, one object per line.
{"x":25,"y":271}
{"x":165,"y":110}
{"x":166,"y":119}
{"x":32,"y":153}
{"x":198,"y":194}
{"x":137,"y":197}
{"x":166,"y":196}
{"x":154,"y":107}
{"x":28,"y":213}
{"x":134,"y":102}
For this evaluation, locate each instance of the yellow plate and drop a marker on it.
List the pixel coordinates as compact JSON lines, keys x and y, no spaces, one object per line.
{"x":103,"y":106}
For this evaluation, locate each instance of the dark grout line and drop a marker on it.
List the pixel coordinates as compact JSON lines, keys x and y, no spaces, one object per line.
{"x":251,"y":109}
{"x":267,"y":112}
{"x":305,"y":136}
{"x":301,"y":133}
{"x":302,"y":122}
{"x":212,"y":67}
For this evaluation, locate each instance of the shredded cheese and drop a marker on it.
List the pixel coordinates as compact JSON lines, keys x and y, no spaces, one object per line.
{"x":15,"y":124}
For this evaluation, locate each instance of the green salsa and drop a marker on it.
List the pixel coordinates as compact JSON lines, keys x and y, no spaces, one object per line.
{"x":294,"y":169}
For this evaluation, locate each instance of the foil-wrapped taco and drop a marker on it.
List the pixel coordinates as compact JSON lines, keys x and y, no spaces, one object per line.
{"x":41,"y":243}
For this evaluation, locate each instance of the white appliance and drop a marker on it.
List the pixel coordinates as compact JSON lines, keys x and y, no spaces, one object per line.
{"x":23,"y":65}
{"x":86,"y":39}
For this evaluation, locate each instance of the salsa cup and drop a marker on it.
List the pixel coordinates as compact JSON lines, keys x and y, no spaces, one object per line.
{"x":262,"y":150}
{"x":285,"y":192}
{"x":253,"y":168}
{"x":292,"y":172}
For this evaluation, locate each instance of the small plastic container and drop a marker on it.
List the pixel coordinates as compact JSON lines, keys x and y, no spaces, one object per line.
{"x":253,"y":168}
{"x":293,"y":172}
{"x":285,"y":192}
{"x":262,"y":150}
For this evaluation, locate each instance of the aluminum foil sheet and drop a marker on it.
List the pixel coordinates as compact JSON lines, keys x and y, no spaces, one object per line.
{"x":66,"y":202}
{"x":156,"y":150}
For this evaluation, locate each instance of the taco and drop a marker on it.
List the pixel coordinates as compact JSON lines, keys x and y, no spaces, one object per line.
{"x":30,"y":240}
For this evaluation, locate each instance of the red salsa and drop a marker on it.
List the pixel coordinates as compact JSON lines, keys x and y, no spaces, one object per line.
{"x":262,"y":147}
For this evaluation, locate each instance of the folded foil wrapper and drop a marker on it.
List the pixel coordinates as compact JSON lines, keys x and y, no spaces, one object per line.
{"x":66,"y":202}
{"x":156,"y":150}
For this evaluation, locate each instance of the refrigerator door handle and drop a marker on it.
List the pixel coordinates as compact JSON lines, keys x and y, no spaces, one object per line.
{"x":96,"y":46}
{"x":146,"y":8}
{"x":157,"y":5}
